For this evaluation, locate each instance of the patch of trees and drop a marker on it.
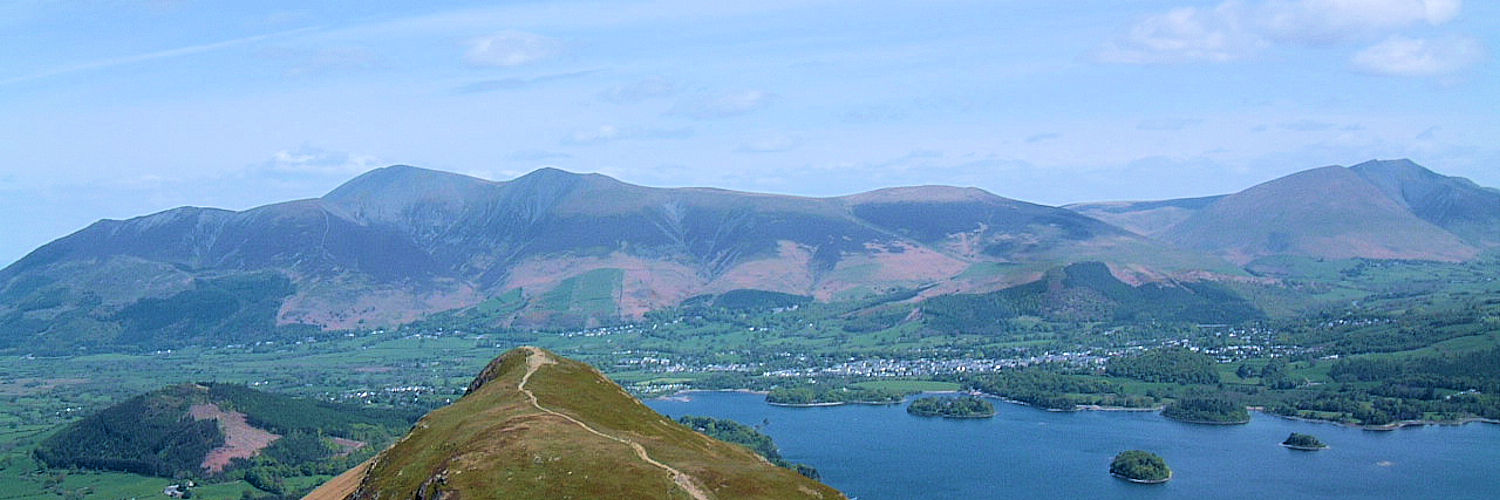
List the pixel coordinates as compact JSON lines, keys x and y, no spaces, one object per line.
{"x":1140,"y":465}
{"x":748,"y":299}
{"x":286,"y":415}
{"x":1304,"y":441}
{"x":1208,"y":409}
{"x":154,"y":434}
{"x":960,"y":407}
{"x":232,"y":308}
{"x":827,"y":394}
{"x":1088,"y":292}
{"x":1048,"y":389}
{"x":734,"y":432}
{"x":150,"y":434}
{"x":1166,"y":365}
{"x":1361,"y":334}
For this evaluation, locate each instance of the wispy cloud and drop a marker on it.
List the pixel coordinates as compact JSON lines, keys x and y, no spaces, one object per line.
{"x":312,"y":160}
{"x":611,"y":133}
{"x":649,"y":88}
{"x":1188,"y":34}
{"x":512,"y":48}
{"x":1043,"y":137}
{"x":724,"y":105}
{"x":1237,"y":29}
{"x":515,"y":83}
{"x":151,"y":56}
{"x":1402,"y":56}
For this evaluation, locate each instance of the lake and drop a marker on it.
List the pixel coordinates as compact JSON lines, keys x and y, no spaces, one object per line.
{"x":880,"y":452}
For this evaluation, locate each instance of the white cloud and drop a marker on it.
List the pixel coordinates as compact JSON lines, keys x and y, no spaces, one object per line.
{"x":313,"y":160}
{"x":1402,"y":56}
{"x":512,"y":48}
{"x":611,"y":133}
{"x":1237,"y":29}
{"x":1330,"y":21}
{"x":1187,"y":34}
{"x":725,"y":105}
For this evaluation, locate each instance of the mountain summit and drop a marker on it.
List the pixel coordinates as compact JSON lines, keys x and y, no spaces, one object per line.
{"x":1392,"y":209}
{"x":537,"y":425}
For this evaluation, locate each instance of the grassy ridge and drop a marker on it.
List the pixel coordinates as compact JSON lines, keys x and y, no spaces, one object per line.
{"x":493,"y":443}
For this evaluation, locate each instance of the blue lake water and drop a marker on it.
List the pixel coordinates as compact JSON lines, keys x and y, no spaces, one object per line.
{"x":880,"y":452}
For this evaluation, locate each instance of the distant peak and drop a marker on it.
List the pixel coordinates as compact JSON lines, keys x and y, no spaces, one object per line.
{"x":556,"y":178}
{"x":399,"y":178}
{"x":1400,"y":166}
{"x":923,"y":194}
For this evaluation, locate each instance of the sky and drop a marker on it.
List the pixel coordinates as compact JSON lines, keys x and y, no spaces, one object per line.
{"x":119,"y":108}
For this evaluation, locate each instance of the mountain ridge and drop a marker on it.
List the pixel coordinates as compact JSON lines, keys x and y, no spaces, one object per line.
{"x":401,"y":241}
{"x":566,"y":250}
{"x":537,"y":425}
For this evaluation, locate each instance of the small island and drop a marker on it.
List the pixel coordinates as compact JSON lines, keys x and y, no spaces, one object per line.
{"x":1304,"y":442}
{"x":1207,"y":410}
{"x":961,"y":407}
{"x":1138,"y":466}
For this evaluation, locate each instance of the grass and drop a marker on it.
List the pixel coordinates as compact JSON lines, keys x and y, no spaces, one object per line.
{"x":494,"y":443}
{"x":592,"y":293}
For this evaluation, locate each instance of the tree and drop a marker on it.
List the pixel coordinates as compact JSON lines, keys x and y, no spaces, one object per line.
{"x":1245,"y":371}
{"x":1140,"y":465}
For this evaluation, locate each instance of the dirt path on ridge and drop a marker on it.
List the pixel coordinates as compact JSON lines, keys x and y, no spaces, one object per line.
{"x":535,"y":359}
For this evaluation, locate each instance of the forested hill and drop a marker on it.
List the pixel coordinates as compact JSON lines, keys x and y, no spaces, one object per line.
{"x":221,"y":432}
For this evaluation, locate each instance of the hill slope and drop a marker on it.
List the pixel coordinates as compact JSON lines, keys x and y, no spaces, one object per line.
{"x":535,"y":425}
{"x":1329,"y":212}
{"x":1148,"y":218}
{"x":1453,"y":203}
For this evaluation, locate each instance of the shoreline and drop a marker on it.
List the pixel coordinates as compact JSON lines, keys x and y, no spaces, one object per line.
{"x":834,"y":403}
{"x":1206,"y":422}
{"x":991,"y":415}
{"x":1145,"y":481}
{"x":1305,"y":448}
{"x":1401,"y":424}
{"x":1257,"y":409}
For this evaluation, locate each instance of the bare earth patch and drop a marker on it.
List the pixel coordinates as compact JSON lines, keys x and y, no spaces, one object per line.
{"x":348,"y":445}
{"x":240,"y":439}
{"x":29,"y":386}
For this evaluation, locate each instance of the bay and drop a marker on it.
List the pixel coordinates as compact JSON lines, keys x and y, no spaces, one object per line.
{"x":881,"y":452}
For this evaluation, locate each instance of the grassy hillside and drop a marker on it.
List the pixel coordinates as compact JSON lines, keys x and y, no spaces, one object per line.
{"x":535,"y":425}
{"x":1088,"y":291}
{"x":1328,"y":212}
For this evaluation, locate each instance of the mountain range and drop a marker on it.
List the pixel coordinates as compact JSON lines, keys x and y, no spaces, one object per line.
{"x":559,"y":249}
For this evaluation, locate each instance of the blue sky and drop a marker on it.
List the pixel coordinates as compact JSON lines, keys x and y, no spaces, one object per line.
{"x":113,"y":109}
